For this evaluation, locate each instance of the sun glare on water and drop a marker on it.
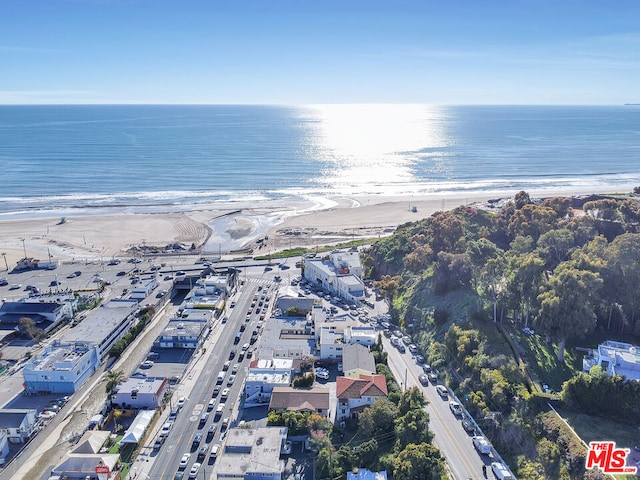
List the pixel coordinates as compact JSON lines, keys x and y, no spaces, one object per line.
{"x":372,"y":145}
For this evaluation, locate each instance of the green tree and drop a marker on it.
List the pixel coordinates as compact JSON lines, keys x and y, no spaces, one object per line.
{"x":566,"y":305}
{"x":114,"y":378}
{"x":413,"y":427}
{"x":28,"y":327}
{"x":524,"y":280}
{"x":411,"y":399}
{"x":378,"y":419}
{"x":418,"y":462}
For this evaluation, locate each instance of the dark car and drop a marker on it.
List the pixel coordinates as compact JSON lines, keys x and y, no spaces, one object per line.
{"x":233,"y":352}
{"x":468,"y":426}
{"x":212,"y":431}
{"x":216,"y":391}
{"x":196,"y":441}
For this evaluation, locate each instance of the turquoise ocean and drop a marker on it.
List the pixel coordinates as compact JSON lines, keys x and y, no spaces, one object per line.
{"x":61,"y":160}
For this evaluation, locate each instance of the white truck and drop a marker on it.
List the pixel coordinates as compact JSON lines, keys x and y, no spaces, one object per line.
{"x":501,"y":472}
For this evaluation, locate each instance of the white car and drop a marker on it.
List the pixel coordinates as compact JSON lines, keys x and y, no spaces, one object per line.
{"x":323,"y":374}
{"x":195,"y":468}
{"x":146,"y":364}
{"x":181,"y":401}
{"x":166,"y":428}
{"x":235,"y":368}
{"x":185,"y":460}
{"x":455,"y":408}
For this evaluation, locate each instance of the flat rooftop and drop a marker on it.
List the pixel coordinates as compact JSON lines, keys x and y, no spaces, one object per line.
{"x":100,"y":322}
{"x":251,"y":450}
{"x":285,"y":337}
{"x":64,"y":357}
{"x":142,"y":385}
{"x":183,"y":327}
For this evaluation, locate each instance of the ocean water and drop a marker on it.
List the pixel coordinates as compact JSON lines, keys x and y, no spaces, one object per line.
{"x":66,"y":159}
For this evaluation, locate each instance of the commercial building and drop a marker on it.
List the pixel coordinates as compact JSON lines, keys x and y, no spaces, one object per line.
{"x":137,"y":393}
{"x":252,"y":453}
{"x":105,"y":325}
{"x":144,"y":288}
{"x":264,"y":375}
{"x":314,"y":399}
{"x":45,"y":314}
{"x":80,"y":463}
{"x":61,"y":368}
{"x":356,"y":394}
{"x":286,"y":337}
{"x":356,"y":360}
{"x":18,"y":424}
{"x":339,"y":273}
{"x":615,"y":358}
{"x":289,"y":299}
{"x":187,"y":331}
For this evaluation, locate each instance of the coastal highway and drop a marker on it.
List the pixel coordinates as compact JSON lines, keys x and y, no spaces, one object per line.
{"x":452,"y":440}
{"x":200,"y":384}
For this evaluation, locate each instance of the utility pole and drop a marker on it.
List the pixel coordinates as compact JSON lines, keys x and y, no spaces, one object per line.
{"x":24,"y":247}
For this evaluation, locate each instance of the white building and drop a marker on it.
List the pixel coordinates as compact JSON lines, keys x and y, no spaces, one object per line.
{"x":265,"y":375}
{"x":339,"y":273}
{"x":615,"y":358}
{"x":105,"y":325}
{"x":252,"y":454}
{"x":18,"y":424}
{"x":136,"y":393}
{"x":144,"y":288}
{"x":61,"y":368}
{"x":331,"y":344}
{"x":188,"y":332}
{"x":363,"y":335}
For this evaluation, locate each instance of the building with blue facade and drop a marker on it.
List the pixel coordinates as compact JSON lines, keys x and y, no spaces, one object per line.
{"x":61,"y":368}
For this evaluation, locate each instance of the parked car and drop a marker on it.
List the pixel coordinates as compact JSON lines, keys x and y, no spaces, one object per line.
{"x":468,"y":426}
{"x":195,"y":468}
{"x":212,"y":431}
{"x":455,"y":408}
{"x":197,"y":438}
{"x":185,"y":460}
{"x":442,"y":391}
{"x":202,"y":452}
{"x":481,"y":444}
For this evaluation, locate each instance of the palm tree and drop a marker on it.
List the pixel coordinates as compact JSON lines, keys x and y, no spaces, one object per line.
{"x":116,"y":416}
{"x":114,"y":377}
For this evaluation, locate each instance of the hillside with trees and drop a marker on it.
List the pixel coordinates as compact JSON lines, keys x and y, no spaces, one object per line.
{"x":472,"y":285}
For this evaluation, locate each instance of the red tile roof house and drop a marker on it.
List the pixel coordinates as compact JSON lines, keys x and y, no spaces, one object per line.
{"x":356,"y":394}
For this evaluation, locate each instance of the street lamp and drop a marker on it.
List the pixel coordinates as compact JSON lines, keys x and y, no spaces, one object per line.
{"x":24,"y":247}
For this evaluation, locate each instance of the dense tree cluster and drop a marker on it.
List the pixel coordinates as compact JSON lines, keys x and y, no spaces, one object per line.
{"x":562,"y":267}
{"x":392,"y":437}
{"x":547,"y":265}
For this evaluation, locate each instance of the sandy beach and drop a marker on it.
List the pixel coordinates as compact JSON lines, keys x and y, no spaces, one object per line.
{"x":221,"y":230}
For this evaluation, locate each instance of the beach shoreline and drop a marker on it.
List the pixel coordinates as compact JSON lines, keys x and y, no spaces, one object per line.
{"x":309,"y":222}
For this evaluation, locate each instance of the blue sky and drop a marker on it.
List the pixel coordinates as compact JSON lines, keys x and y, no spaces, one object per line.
{"x":301,"y":52}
